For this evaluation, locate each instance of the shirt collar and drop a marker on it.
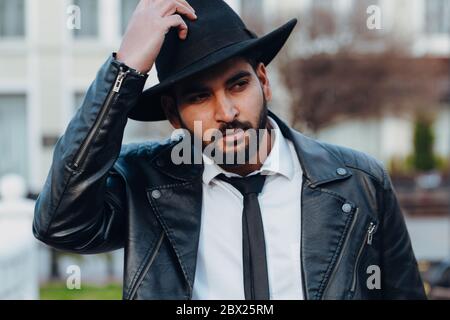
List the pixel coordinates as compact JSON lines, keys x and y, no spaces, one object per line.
{"x":279,"y":160}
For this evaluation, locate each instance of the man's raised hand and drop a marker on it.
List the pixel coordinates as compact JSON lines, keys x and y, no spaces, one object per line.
{"x":147,"y":28}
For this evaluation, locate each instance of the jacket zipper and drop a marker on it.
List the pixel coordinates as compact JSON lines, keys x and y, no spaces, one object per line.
{"x":302,"y":271}
{"x":146,"y":268}
{"x":367,"y":240}
{"x":347,"y":236}
{"x":82,"y":151}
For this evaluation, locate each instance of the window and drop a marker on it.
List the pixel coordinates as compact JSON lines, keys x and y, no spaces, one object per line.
{"x":358,"y":20}
{"x":126,"y":10}
{"x":437,"y":16}
{"x":12,"y":18}
{"x":88,"y":19}
{"x":13,"y":135}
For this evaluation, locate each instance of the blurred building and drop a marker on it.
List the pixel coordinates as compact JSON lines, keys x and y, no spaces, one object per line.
{"x":424,"y":25}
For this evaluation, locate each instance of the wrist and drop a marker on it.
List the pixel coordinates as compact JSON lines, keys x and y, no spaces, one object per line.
{"x":131,"y":66}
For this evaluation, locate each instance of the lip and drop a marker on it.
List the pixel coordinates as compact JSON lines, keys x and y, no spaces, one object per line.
{"x":236,"y":136}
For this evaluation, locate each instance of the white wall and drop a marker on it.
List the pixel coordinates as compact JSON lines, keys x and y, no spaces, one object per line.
{"x":388,"y":137}
{"x":382,"y":139}
{"x":442,"y":129}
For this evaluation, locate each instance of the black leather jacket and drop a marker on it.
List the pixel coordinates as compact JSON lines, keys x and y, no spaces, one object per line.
{"x":101,"y":196}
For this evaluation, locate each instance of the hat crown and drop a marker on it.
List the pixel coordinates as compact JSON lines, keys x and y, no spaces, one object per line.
{"x":217,"y":26}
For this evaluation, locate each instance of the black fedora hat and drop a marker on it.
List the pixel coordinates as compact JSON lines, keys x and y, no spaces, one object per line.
{"x":215,"y":36}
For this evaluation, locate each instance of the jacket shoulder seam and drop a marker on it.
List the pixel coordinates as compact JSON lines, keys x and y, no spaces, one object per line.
{"x":358,"y":154}
{"x":377,"y":179}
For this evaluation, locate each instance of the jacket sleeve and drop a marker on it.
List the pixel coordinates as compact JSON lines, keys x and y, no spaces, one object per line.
{"x":399,"y":271}
{"x":82,"y":205}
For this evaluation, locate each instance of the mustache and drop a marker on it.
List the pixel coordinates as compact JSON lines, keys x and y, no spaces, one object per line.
{"x":234,"y":125}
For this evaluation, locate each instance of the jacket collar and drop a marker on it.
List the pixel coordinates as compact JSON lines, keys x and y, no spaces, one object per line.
{"x":319,"y":164}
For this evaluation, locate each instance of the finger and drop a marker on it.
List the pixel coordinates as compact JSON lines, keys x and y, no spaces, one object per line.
{"x":180,"y":8}
{"x":173,"y":7}
{"x":176,"y":21}
{"x":186,"y":4}
{"x":165,"y":3}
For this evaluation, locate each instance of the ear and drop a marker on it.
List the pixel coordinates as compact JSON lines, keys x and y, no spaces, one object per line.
{"x":261,"y":73}
{"x":170,"y":109}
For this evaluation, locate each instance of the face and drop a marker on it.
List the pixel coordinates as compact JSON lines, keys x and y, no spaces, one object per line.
{"x":228,"y":99}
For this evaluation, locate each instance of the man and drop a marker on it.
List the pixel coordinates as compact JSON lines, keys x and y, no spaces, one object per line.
{"x":293,"y":219}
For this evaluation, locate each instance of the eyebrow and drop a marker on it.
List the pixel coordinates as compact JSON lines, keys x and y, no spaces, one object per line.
{"x":237,"y":76}
{"x":196,"y":88}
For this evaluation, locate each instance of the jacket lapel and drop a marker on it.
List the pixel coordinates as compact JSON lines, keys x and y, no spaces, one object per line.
{"x":180,"y":223}
{"x":327,"y":216}
{"x":325,"y":227}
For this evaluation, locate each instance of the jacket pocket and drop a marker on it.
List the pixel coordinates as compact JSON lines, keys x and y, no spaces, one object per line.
{"x":348,"y":235}
{"x":146,"y":266}
{"x":368,"y":239}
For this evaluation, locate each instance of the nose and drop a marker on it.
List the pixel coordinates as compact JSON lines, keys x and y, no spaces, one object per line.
{"x":226,"y":110}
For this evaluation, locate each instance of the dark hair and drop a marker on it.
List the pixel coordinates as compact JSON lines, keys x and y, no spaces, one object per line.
{"x":252,"y":60}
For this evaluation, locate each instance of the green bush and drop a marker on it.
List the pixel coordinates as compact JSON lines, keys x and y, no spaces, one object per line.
{"x":423,"y":158}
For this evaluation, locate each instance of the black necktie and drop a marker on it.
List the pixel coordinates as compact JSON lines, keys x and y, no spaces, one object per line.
{"x":256,"y":280}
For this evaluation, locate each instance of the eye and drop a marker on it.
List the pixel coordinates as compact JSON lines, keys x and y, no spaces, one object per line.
{"x":197,"y":98}
{"x":240,"y":85}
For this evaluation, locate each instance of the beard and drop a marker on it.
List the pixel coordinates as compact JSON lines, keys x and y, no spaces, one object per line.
{"x":237,"y":157}
{"x":240,"y":157}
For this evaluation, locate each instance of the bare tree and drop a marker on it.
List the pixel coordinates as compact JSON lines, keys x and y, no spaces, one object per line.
{"x":326,"y":88}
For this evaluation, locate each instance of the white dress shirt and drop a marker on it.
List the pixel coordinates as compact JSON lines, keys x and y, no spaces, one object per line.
{"x":219,"y":271}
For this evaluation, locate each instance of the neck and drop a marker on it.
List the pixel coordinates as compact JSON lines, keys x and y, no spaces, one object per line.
{"x":258,"y":158}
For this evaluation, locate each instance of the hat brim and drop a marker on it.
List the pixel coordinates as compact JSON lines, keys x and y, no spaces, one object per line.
{"x":148,"y":107}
